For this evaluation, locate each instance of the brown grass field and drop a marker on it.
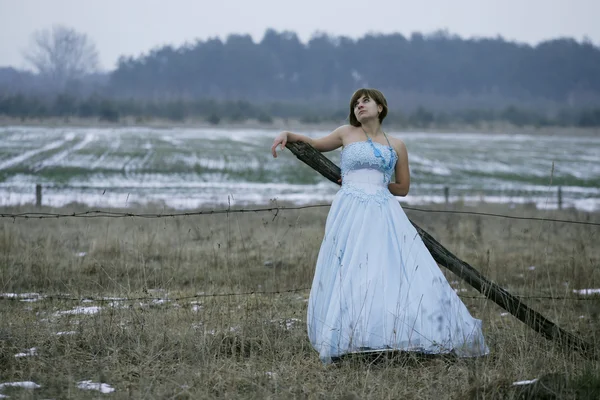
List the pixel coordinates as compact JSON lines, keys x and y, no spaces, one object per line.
{"x":175,"y":338}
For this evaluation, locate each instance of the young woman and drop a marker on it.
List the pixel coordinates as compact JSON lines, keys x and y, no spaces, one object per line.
{"x":376,"y":286}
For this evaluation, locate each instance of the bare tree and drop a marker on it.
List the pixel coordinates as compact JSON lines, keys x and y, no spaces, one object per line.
{"x":62,"y":54}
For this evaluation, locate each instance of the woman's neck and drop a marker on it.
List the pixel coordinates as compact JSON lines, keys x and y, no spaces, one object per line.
{"x":371,"y":128}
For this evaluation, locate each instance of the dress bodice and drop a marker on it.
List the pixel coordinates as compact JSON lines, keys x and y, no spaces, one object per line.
{"x":371,"y":155}
{"x":367,"y":169}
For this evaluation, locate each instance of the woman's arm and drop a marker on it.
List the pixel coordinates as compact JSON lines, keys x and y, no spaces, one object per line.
{"x":324,"y":144}
{"x":402,"y":184}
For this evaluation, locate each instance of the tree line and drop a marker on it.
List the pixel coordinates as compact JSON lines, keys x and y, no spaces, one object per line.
{"x":434,"y":79}
{"x":328,"y":69}
{"x":115,"y":110}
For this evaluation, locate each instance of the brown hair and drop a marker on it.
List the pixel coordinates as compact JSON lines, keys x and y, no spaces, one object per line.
{"x":373,"y":94}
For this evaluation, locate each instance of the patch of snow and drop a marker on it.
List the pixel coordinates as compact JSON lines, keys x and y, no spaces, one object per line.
{"x":587,"y":291}
{"x":31,"y":300}
{"x":117,"y":304}
{"x":36,"y":296}
{"x":101,"y":387}
{"x":525,"y":382}
{"x":66,"y":333}
{"x":24,"y":385}
{"x":288,"y":323}
{"x":79,"y":311}
{"x":29,"y":353}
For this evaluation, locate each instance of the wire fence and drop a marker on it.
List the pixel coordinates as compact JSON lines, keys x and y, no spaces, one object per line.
{"x":114,"y":214}
{"x":275,"y":211}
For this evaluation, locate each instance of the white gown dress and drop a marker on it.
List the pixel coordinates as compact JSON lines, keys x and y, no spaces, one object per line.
{"x":376,"y":286}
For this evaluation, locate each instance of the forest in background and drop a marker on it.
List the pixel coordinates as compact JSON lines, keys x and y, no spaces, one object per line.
{"x":436,"y":79}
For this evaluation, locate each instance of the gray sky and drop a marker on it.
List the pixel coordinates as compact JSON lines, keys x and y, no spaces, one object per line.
{"x":132,"y":27}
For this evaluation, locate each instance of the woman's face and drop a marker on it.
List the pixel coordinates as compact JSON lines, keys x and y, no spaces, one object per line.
{"x":366,"y":108}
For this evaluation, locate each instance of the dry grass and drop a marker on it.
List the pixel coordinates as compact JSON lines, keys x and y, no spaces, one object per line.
{"x":255,"y":346}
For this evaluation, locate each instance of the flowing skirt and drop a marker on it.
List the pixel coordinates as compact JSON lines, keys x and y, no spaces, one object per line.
{"x":377,"y":287}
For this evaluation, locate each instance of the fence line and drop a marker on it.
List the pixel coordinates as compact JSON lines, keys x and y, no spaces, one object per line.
{"x":38,"y":193}
{"x":17,"y":297}
{"x":113,"y":214}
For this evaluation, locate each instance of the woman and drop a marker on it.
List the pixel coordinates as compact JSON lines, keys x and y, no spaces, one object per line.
{"x":376,"y":286}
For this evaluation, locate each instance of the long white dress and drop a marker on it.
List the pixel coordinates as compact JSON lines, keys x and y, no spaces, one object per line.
{"x":376,"y":286}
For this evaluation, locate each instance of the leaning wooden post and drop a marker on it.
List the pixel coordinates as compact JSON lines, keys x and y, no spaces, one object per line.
{"x":445,"y":258}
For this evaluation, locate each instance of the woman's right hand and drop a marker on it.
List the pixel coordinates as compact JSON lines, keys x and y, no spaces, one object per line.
{"x":281,"y":139}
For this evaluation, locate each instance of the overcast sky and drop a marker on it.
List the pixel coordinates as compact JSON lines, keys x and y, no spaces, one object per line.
{"x":132,"y":27}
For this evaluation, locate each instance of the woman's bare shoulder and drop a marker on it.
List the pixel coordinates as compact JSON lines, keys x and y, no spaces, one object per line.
{"x":345,"y":130}
{"x":397,"y":143}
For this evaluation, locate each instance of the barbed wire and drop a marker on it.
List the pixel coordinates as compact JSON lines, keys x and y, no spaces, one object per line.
{"x":114,"y":214}
{"x":484,"y":214}
{"x":31,"y":296}
{"x":520,"y":297}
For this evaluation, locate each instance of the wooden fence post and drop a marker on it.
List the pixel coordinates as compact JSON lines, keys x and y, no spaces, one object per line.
{"x":560,"y":198}
{"x":38,"y":195}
